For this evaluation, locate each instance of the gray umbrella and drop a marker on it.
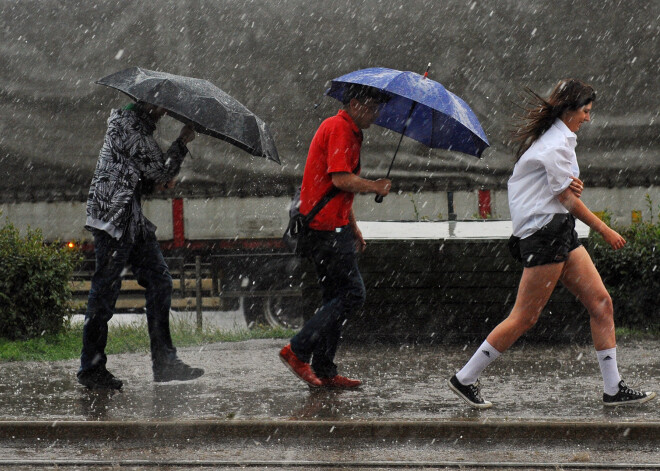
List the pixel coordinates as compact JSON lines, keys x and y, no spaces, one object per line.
{"x":199,"y":103}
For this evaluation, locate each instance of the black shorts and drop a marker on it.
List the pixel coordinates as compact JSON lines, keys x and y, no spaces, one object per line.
{"x":550,"y":244}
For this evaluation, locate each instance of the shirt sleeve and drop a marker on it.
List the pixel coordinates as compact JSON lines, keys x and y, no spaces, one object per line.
{"x":156,"y":166}
{"x":340,"y":151}
{"x":559,"y":168}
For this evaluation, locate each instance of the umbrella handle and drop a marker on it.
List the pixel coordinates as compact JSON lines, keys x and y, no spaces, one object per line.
{"x":379,"y":199}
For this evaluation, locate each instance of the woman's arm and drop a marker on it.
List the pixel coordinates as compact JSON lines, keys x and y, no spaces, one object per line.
{"x":578,"y":209}
{"x":576,"y":186}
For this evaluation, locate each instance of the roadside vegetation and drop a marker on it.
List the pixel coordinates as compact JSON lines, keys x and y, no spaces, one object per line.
{"x":35,"y":298}
{"x":34,"y":284}
{"x":632,"y":274}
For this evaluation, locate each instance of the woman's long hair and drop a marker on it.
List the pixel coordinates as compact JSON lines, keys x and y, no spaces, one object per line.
{"x":539,"y":113}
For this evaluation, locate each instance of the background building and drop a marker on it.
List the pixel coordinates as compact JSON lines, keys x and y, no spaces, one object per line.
{"x":277,"y":57}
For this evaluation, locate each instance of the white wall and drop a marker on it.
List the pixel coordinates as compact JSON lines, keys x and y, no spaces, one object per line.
{"x":224,"y":218}
{"x":66,"y":220}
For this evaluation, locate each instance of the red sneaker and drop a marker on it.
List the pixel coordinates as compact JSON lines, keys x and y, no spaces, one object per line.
{"x":299,"y":368}
{"x":340,"y":382}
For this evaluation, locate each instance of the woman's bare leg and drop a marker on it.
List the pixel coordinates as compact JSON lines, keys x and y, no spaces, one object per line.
{"x":536,"y":286}
{"x":583,"y":280}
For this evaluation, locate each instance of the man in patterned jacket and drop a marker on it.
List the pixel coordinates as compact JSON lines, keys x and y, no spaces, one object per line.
{"x":130,"y":164}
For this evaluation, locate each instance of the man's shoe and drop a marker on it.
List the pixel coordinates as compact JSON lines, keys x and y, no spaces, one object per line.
{"x":175,"y":370}
{"x":469,"y":393}
{"x":340,"y":382}
{"x":99,"y":378}
{"x":627,"y":396}
{"x":299,"y":368}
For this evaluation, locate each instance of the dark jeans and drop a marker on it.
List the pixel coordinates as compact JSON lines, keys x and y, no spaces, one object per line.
{"x":343,"y":291}
{"x":152,"y":273}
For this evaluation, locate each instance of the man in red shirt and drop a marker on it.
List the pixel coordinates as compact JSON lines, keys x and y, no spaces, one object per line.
{"x":334,"y":237}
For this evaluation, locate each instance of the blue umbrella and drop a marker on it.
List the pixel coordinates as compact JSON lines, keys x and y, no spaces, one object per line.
{"x":420,"y":108}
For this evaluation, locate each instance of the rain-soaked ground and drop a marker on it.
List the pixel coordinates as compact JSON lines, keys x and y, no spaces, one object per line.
{"x":405,"y":387}
{"x":246,"y":380}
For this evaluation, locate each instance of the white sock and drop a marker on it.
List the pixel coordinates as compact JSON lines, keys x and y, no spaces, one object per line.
{"x":609,"y":370}
{"x":483,"y":357}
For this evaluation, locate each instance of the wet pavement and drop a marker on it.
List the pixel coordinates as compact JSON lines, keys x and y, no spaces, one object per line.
{"x":248,"y":410}
{"x":247,"y":381}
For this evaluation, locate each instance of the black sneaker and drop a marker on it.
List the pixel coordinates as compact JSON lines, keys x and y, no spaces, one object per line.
{"x":469,"y":393}
{"x":99,"y":378}
{"x":175,"y":370}
{"x":627,"y":396}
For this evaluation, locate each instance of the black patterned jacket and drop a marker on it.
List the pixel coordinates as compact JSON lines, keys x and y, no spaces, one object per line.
{"x":130,"y":156}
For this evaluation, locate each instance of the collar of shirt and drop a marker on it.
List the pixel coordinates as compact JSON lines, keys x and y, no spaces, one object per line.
{"x":344,"y":114}
{"x":571,"y":137}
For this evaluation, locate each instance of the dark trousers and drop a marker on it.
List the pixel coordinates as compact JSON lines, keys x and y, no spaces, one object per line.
{"x":343,"y":291}
{"x":148,"y":265}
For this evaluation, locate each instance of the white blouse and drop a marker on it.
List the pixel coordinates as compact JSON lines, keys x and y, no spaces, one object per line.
{"x":540,"y":175}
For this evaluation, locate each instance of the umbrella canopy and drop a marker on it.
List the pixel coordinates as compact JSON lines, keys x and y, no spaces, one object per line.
{"x":420,"y":108}
{"x":199,"y":103}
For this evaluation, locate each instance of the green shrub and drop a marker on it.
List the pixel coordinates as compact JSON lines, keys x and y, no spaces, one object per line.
{"x":632,"y":274}
{"x":34,"y":284}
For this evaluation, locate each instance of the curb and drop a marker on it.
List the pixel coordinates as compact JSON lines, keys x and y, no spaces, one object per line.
{"x":356,"y":429}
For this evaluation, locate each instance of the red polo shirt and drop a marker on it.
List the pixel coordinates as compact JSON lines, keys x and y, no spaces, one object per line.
{"x":335,"y":148}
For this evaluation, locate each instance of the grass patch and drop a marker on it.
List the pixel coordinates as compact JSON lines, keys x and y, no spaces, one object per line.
{"x":134,"y":338}
{"x":126,"y":339}
{"x":626,"y":333}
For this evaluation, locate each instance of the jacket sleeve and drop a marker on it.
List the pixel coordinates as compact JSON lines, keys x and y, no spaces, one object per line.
{"x":158,"y":167}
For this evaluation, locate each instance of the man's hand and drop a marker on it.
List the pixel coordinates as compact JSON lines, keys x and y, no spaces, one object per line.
{"x":360,"y":243}
{"x":576,"y":186}
{"x":187,"y":134}
{"x":382,"y":186}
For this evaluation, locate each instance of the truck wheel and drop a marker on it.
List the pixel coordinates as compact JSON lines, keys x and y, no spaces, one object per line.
{"x":253,"y":309}
{"x":284,"y":312}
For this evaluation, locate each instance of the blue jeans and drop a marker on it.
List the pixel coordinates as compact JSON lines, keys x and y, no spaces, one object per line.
{"x":151,"y":271}
{"x":343,"y":292}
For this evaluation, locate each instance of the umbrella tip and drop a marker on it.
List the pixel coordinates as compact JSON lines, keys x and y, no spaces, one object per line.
{"x":426,"y":74}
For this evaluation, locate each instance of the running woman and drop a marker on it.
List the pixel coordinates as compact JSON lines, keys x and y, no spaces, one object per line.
{"x":544,"y":200}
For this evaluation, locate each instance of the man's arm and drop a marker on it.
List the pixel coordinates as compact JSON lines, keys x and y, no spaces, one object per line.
{"x":352,"y":183}
{"x":578,"y":209}
{"x":158,"y":167}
